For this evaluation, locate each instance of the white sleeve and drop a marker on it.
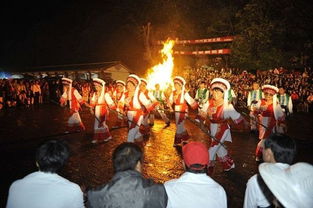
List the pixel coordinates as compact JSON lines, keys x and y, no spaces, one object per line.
{"x":189,"y":99}
{"x":151,"y":97}
{"x":171,"y":99}
{"x":143,"y":100}
{"x":230,"y":112}
{"x":64,"y":95}
{"x":108,"y":99}
{"x":77,"y":95}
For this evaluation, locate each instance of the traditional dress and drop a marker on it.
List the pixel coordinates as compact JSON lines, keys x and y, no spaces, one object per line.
{"x":72,"y":96}
{"x":146,"y":100}
{"x":180,"y":101}
{"x":119,"y":100}
{"x":253,"y":97}
{"x":101,"y":102}
{"x":271,"y":118}
{"x":133,"y":109}
{"x":219,"y":128}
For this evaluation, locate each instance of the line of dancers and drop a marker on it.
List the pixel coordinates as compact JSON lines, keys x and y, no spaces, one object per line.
{"x":135,"y":105}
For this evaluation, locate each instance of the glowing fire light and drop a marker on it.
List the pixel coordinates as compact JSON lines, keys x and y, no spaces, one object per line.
{"x":162,"y":73}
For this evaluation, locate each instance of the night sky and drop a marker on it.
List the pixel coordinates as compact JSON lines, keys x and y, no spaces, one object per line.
{"x":62,"y":32}
{"x":72,"y":32}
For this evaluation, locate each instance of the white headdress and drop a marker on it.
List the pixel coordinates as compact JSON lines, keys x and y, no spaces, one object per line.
{"x":136,"y":81}
{"x":181,"y":81}
{"x":223,"y":85}
{"x":102,"y":83}
{"x":272,"y":90}
{"x":67,"y":81}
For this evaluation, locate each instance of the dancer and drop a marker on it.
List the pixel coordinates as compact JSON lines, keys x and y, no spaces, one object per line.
{"x":219,"y":110}
{"x":253,"y":97}
{"x":202,"y":96}
{"x":101,"y":101}
{"x":133,"y":101}
{"x":72,"y":96}
{"x":119,"y":100}
{"x":180,"y":98}
{"x":160,"y":97}
{"x":271,"y":117}
{"x":144,"y":92}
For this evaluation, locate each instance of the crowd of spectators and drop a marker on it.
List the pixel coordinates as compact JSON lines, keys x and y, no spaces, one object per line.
{"x":299,"y":85}
{"x":281,"y":183}
{"x":28,"y":93}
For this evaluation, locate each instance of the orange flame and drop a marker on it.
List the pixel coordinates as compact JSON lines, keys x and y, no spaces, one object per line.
{"x":162,"y":73}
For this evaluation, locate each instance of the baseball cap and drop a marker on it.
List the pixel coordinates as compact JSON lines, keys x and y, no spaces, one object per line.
{"x":195,"y":153}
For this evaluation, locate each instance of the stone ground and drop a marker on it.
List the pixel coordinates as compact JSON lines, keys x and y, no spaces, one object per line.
{"x":22,"y":130}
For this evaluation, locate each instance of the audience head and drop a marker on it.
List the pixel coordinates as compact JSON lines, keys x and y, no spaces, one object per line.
{"x":127,"y":156}
{"x":51,"y":156}
{"x":196,"y":157}
{"x":279,"y":148}
{"x":291,"y":185}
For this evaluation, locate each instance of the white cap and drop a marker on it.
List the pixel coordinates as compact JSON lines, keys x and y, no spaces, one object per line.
{"x":291,"y":185}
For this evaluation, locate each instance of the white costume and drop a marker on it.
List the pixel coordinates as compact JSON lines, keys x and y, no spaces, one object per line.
{"x":195,"y":190}
{"x":180,"y":101}
{"x":152,"y":102}
{"x":270,"y":116}
{"x":101,"y":102}
{"x":134,"y":110}
{"x":75,"y":99}
{"x":119,"y":99}
{"x":49,"y":190}
{"x":219,"y":128}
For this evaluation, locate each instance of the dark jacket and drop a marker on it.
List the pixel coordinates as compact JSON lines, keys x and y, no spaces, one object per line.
{"x":128,"y":189}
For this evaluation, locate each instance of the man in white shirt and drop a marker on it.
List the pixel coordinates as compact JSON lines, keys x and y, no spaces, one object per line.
{"x":278,"y":148}
{"x":45,"y":188}
{"x":194,"y":188}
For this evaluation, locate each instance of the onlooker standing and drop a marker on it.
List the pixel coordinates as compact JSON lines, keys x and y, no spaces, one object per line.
{"x":45,"y":188}
{"x":278,"y":148}
{"x":194,"y":188}
{"x":36,"y":89}
{"x":128,"y":188}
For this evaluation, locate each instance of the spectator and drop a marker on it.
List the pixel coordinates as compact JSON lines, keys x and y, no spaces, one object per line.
{"x":194,"y":188}
{"x":128,"y":188}
{"x":45,"y":188}
{"x":278,"y":148}
{"x":292,"y":186}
